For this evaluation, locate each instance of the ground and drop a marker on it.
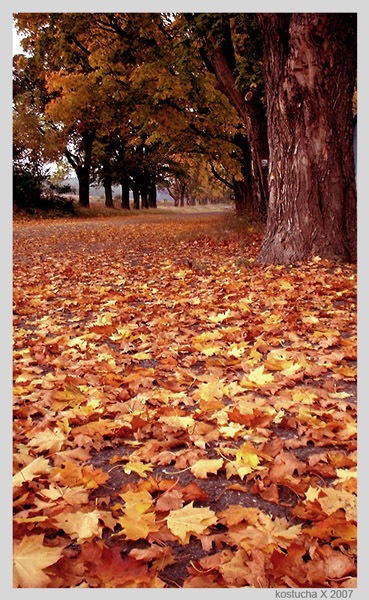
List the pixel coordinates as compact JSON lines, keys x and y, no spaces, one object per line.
{"x":146,"y":346}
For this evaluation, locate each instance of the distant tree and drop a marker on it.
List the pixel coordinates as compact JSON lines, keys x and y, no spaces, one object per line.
{"x":230,"y":45}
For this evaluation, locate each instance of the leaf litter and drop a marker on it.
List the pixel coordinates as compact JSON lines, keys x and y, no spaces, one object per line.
{"x":182,"y":418}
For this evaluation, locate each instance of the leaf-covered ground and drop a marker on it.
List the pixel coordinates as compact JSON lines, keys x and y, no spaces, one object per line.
{"x":182,"y":418}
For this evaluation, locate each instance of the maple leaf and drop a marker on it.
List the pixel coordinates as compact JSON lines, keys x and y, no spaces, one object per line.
{"x":234,"y":514}
{"x":92,"y":477}
{"x":30,"y":557}
{"x":257,"y":378}
{"x":38,"y":466}
{"x":331,"y":500}
{"x":52,"y":441}
{"x":82,"y":526}
{"x":137,"y":501}
{"x":138,"y":467}
{"x":234,"y":571}
{"x":334,"y":528}
{"x":203,"y":467}
{"x":189,"y":520}
{"x":170,"y":500}
{"x":137,"y":525}
{"x":178,"y":422}
{"x":115,"y":572}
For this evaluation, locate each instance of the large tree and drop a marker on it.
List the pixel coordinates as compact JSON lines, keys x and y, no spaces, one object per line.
{"x":230,"y":46}
{"x":310,"y":70}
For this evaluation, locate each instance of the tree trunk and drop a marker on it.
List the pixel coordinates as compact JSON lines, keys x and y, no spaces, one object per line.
{"x":152,"y":192}
{"x":144,"y":194}
{"x":241,"y":193}
{"x":82,"y":166}
{"x":220,"y":60}
{"x":125,"y":192}
{"x":84,"y":185}
{"x":248,"y":202}
{"x":136,"y":196}
{"x":182,"y":195}
{"x":108,"y":191}
{"x":310,"y":68}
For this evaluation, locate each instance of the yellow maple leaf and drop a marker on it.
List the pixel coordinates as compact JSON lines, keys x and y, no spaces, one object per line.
{"x":49,"y":440}
{"x":203,"y":467}
{"x":137,"y":525}
{"x":137,"y":501}
{"x":281,"y":530}
{"x":334,"y":499}
{"x":278,"y":360}
{"x":304,"y":397}
{"x":29,"y":559}
{"x":138,"y":467}
{"x":220,"y":316}
{"x":237,"y":468}
{"x":80,"y":525}
{"x":178,"y":422}
{"x":344,"y":475}
{"x":232,"y":431}
{"x":104,"y":319}
{"x":36,"y":467}
{"x":189,"y":520}
{"x":247,"y":453}
{"x":237,"y":350}
{"x":257,"y":377}
{"x":312,"y":494}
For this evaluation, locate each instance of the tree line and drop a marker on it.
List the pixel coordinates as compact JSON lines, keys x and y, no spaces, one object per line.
{"x":259,"y":104}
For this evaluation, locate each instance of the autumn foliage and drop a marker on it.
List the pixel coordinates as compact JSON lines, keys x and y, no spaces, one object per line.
{"x":181,"y":417}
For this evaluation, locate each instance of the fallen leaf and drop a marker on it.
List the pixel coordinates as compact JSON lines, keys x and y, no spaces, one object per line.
{"x":188,"y":521}
{"x":30,"y":557}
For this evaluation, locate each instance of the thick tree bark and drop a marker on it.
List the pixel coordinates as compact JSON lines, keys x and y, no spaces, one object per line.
{"x":125,"y":183}
{"x":310,"y":68}
{"x":241,"y":192}
{"x":247,"y":202}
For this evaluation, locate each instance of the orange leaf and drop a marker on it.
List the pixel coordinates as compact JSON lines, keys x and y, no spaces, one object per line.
{"x":30,"y":558}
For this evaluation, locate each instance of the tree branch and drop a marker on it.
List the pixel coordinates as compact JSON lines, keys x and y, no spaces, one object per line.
{"x":220,"y":178}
